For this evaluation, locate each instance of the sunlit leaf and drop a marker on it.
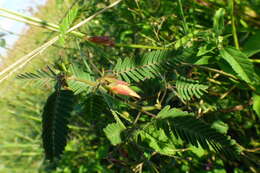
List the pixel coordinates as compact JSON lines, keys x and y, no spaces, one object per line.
{"x":239,"y":63}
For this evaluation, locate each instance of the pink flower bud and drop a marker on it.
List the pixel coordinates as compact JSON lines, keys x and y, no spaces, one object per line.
{"x":104,"y":40}
{"x":113,"y":80}
{"x":122,"y":89}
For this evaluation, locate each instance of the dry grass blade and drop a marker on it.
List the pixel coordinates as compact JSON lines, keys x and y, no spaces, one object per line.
{"x":30,"y":22}
{"x":27,"y":58}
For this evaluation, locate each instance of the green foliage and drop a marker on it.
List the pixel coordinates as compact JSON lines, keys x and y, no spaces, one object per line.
{"x":251,"y":46}
{"x":55,"y":117}
{"x":218,"y":21}
{"x":162,"y":133}
{"x":240,"y":63}
{"x":151,"y":65}
{"x":220,"y":126}
{"x":256,"y":104}
{"x":156,"y":139}
{"x":187,"y":88}
{"x":67,"y":22}
{"x":177,"y":53}
{"x":40,"y":77}
{"x":94,"y":106}
{"x":79,"y":76}
{"x":186,"y":127}
{"x":113,"y":132}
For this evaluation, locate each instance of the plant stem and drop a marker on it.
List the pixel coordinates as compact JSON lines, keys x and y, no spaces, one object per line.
{"x":233,"y":22}
{"x":212,"y":70}
{"x":88,"y":82}
{"x":142,"y":46}
{"x":185,"y":26}
{"x":135,"y":106}
{"x":255,"y":60}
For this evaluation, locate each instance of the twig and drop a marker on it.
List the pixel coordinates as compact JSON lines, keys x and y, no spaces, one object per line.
{"x":213,"y":70}
{"x":237,"y":107}
{"x":251,"y":150}
{"x":228,"y":92}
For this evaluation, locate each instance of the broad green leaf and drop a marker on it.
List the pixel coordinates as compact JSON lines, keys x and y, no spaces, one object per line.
{"x":167,"y":112}
{"x":256,"y":104}
{"x":204,"y":60}
{"x":239,"y":63}
{"x":220,"y":170}
{"x":203,"y":50}
{"x":113,"y":132}
{"x":220,"y":126}
{"x":185,"y":40}
{"x":157,"y":140}
{"x":199,"y":151}
{"x":252,"y":45}
{"x":218,"y":23}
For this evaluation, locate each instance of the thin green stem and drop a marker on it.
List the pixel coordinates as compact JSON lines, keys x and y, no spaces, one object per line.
{"x":88,"y":82}
{"x":142,"y":46}
{"x":185,"y":26}
{"x":212,"y":70}
{"x":233,"y":22}
{"x":255,"y":60}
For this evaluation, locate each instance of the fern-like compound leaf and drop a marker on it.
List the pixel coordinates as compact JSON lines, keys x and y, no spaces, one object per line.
{"x":66,"y":23}
{"x":152,"y":64}
{"x":55,"y":123}
{"x":94,"y":106}
{"x":186,"y":127}
{"x":40,"y":77}
{"x":77,"y":85}
{"x":187,"y":88}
